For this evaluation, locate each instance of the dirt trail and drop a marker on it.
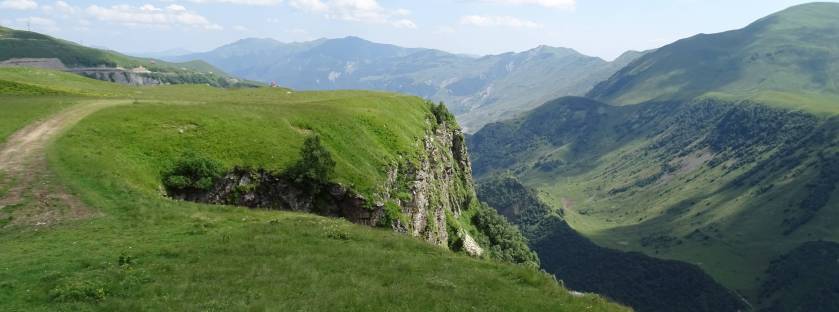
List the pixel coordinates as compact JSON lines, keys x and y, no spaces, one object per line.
{"x":31,"y":196}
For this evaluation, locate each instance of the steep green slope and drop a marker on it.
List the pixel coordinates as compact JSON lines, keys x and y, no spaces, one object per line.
{"x":24,"y":44}
{"x":793,"y":277}
{"x":794,"y":50}
{"x":478,"y":90}
{"x":724,"y":185}
{"x":642,"y":282}
{"x":130,"y":248}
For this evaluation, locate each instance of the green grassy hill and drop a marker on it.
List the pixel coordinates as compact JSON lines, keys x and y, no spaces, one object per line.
{"x":25,"y":44}
{"x":793,"y":50}
{"x":122,"y":245}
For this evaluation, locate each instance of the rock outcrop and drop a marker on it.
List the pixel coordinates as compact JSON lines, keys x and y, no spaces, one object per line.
{"x":423,"y":195}
{"x":440,"y":185}
{"x":117,"y":75}
{"x":137,"y":76}
{"x":263,"y":189}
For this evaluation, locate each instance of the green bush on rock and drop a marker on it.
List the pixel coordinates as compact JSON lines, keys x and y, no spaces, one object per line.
{"x":193,"y":172}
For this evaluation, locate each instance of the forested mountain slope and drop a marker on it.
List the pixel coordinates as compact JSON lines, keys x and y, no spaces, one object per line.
{"x":725,"y":185}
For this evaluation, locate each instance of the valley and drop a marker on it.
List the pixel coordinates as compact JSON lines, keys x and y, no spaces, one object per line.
{"x":729,"y":181}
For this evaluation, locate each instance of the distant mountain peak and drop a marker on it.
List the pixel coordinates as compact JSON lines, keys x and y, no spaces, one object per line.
{"x":354,"y":38}
{"x":547,"y":48}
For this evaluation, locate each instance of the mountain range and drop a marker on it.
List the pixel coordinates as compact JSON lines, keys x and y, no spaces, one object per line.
{"x":478,"y":90}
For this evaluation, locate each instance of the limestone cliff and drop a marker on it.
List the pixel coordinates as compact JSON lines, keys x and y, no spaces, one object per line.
{"x":117,"y":75}
{"x":440,"y":185}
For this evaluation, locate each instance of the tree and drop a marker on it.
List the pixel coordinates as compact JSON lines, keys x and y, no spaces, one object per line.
{"x":506,"y":243}
{"x":316,"y":165}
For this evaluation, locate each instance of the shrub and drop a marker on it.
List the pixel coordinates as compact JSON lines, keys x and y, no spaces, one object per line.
{"x":443,"y":116}
{"x":337,"y":233}
{"x":193,"y":172}
{"x":391,"y":214}
{"x":78,"y":290}
{"x":505,"y":240}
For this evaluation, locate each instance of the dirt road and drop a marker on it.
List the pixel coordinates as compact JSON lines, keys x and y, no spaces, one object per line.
{"x":32,"y":196}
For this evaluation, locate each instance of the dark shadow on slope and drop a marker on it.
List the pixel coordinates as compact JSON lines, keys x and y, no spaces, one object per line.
{"x":805,"y":279}
{"x":642,"y":282}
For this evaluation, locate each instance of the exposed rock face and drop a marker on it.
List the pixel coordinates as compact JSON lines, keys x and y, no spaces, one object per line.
{"x":470,"y":245}
{"x":263,"y":189}
{"x":428,"y":190}
{"x":116,"y":75}
{"x":440,"y":184}
{"x":138,"y":76}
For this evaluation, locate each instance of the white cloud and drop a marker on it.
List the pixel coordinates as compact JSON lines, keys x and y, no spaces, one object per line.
{"x":18,"y":4}
{"x":309,"y":5}
{"x":365,"y":11}
{"x":60,"y":7}
{"x":241,"y":2}
{"x":149,"y":15}
{"x":554,"y":4}
{"x":172,"y":7}
{"x":240,"y":28}
{"x":494,"y":21}
{"x":404,"y":23}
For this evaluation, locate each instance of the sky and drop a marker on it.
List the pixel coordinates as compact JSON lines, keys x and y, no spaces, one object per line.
{"x":604,"y":28}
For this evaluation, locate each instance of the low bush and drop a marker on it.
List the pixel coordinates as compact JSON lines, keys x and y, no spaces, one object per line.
{"x":193,"y":172}
{"x":77,"y":290}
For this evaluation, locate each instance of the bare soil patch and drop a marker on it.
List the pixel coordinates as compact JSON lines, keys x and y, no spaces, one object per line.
{"x":32,"y":194}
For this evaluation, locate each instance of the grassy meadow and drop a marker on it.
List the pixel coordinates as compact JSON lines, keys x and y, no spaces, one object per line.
{"x":138,"y":250}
